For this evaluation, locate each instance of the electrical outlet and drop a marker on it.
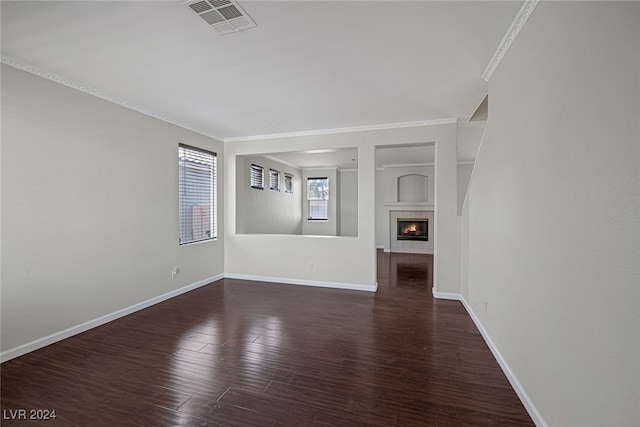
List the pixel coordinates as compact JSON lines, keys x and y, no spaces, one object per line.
{"x":174,"y":272}
{"x":310,"y":266}
{"x":486,"y":306}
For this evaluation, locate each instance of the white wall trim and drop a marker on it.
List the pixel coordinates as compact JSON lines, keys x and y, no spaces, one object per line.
{"x":13,"y":62}
{"x":316,"y":168}
{"x":344,"y":130}
{"x":408,"y":165}
{"x":513,"y":380}
{"x":517,"y":24}
{"x":74,"y":330}
{"x":445,"y":295}
{"x":333,"y":285}
{"x":461,"y":162}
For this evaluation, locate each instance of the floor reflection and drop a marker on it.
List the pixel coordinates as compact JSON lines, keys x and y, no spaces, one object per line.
{"x":242,"y":353}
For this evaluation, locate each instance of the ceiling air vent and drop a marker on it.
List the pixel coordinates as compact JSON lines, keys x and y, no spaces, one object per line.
{"x":224,"y":16}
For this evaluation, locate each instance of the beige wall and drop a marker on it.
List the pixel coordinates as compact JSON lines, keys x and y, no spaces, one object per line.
{"x":89,"y":209}
{"x":552,"y":235}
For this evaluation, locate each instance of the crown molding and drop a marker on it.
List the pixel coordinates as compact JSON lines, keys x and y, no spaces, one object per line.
{"x":320,"y":168}
{"x":13,"y":62}
{"x":408,"y":165}
{"x":344,"y":130}
{"x":517,"y":24}
{"x":411,"y":165}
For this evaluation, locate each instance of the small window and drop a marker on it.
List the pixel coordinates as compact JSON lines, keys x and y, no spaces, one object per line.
{"x":197,"y":187}
{"x":274,"y":180}
{"x":318,"y":198}
{"x":288,"y":183}
{"x":257,"y":177}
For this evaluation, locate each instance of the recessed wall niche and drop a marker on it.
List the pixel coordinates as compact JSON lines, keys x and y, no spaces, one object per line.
{"x":267,"y":211}
{"x":413,"y":188}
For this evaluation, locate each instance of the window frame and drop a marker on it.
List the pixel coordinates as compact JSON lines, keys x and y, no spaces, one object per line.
{"x":253,"y":171}
{"x":274,"y":186}
{"x":192,"y":174}
{"x":288,"y":183}
{"x":324,"y":199}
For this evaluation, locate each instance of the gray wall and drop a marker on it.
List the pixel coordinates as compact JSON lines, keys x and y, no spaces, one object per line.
{"x":266,"y":211}
{"x":348,"y":206}
{"x":89,"y":209}
{"x":551,"y":231}
{"x":464,"y":176}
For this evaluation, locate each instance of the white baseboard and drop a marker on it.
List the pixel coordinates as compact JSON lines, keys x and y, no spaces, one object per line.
{"x":513,"y":380}
{"x":333,"y":285}
{"x":74,"y":330}
{"x":445,"y":295}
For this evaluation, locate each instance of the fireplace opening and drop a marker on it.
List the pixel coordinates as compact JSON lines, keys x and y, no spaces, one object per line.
{"x":413,"y":229}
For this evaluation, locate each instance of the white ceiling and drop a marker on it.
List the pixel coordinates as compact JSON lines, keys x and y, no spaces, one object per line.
{"x":308,"y":65}
{"x":347,"y":158}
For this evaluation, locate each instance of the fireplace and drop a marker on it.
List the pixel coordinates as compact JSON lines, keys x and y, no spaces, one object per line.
{"x":413,"y":229}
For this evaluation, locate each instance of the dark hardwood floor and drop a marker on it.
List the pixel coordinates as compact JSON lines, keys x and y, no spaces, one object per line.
{"x":239,"y":353}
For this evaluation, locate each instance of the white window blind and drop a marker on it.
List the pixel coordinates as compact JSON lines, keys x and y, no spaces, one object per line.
{"x":288,"y":183}
{"x":318,"y":198}
{"x":274,"y":180}
{"x":197,"y":188}
{"x":257,"y":177}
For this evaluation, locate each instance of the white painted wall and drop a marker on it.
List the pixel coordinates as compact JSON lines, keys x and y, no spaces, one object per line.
{"x":89,"y":209}
{"x":330,"y":226}
{"x":464,"y":176}
{"x":266,"y":211}
{"x":552,"y":234}
{"x":447,"y":251}
{"x":381,"y":222}
{"x":348,"y":206}
{"x":349,"y":260}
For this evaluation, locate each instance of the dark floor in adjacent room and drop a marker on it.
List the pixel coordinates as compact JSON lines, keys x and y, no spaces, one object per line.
{"x":240,"y":353}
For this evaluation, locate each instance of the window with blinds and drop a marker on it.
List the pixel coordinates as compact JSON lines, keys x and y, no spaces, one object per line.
{"x":257,"y":177}
{"x":197,"y":192}
{"x":318,"y":198}
{"x":274,"y":180}
{"x":288,"y":183}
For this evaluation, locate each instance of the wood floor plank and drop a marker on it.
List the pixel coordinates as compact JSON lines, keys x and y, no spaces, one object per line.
{"x":242,"y":353}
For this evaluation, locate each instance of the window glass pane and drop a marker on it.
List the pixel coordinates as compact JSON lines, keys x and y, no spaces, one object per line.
{"x":196,"y":194}
{"x":318,"y":188}
{"x":274,"y":180}
{"x":288,"y":183}
{"x":318,"y":198}
{"x":318,"y":209}
{"x":257,"y":177}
